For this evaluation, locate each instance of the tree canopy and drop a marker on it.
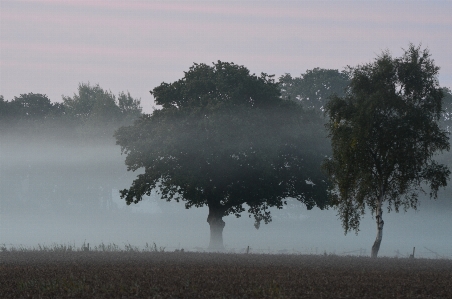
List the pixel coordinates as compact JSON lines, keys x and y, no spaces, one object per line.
{"x":313,"y":88}
{"x":224,"y":138}
{"x":384,"y":134}
{"x":29,"y":107}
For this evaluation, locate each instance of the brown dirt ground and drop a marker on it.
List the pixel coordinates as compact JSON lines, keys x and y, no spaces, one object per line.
{"x":38,"y":274}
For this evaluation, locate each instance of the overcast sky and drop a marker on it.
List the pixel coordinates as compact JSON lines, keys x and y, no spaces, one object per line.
{"x":51,"y":46}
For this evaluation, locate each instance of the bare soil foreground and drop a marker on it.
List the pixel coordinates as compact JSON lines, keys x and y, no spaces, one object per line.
{"x":79,"y":274}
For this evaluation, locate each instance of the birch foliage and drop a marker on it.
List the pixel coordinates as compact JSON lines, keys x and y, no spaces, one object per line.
{"x":385,"y":135}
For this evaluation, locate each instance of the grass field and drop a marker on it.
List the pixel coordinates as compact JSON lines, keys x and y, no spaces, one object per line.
{"x":63,"y":272}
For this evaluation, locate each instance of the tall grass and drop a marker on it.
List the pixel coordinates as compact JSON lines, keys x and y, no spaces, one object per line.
{"x":102,"y":247}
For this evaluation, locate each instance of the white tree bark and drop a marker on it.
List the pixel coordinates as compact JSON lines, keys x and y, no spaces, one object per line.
{"x":380,"y":223}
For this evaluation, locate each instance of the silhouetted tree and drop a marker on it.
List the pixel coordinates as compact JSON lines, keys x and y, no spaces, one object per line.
{"x":29,"y":113}
{"x":30,"y":107}
{"x":224,"y":138}
{"x":384,"y":134}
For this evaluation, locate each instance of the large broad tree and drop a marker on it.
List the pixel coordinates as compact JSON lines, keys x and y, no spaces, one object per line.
{"x":225,"y":139}
{"x":384,"y":134}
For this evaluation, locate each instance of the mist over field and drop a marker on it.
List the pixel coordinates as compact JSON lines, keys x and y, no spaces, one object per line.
{"x":60,"y":190}
{"x":272,"y":149}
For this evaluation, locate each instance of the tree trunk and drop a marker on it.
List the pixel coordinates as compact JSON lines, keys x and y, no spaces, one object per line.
{"x":216,"y":229}
{"x":380,"y":223}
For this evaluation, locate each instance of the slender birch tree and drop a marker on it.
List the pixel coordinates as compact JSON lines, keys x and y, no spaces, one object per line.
{"x":384,"y":135}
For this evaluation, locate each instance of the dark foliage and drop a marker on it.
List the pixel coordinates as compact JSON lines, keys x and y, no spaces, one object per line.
{"x":93,"y":112}
{"x":314,"y":88}
{"x":224,"y":138}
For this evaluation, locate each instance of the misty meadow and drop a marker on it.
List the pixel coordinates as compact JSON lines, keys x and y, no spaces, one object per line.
{"x":229,"y":162}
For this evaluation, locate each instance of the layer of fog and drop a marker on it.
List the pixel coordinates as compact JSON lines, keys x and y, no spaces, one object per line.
{"x":55,"y":192}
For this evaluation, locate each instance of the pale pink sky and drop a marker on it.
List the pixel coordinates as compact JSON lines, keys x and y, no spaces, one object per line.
{"x":50,"y":46}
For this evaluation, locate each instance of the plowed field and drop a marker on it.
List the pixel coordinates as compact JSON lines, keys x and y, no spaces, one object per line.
{"x":81,"y":274}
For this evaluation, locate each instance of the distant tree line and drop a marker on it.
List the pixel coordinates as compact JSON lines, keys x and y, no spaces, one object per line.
{"x":75,"y":139}
{"x":92,"y":111}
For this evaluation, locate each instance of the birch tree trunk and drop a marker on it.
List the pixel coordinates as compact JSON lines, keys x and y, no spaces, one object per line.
{"x":215,"y":220}
{"x":380,"y":223}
